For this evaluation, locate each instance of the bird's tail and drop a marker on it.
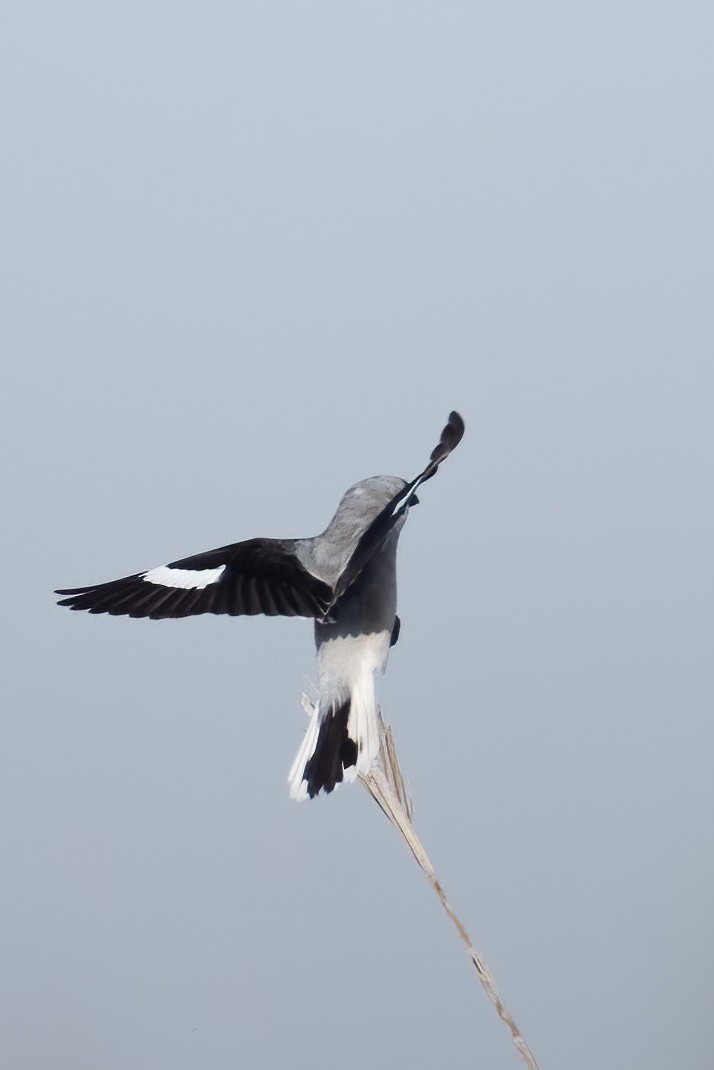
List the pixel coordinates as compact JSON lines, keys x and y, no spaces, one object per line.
{"x":341,"y":742}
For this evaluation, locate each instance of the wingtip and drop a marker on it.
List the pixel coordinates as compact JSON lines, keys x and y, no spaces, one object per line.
{"x":456,"y":422}
{"x":450,"y":437}
{"x":69,"y":596}
{"x":454,"y":429}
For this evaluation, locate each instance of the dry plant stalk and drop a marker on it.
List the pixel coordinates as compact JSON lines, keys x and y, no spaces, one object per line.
{"x":385,"y":784}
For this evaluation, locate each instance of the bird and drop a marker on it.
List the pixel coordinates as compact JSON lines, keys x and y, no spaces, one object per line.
{"x":344,"y":579}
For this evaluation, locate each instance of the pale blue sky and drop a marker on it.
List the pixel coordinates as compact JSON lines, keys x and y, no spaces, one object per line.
{"x":253,"y":253}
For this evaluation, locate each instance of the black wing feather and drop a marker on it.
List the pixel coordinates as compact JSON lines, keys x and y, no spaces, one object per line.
{"x":259,"y":576}
{"x":375,"y":535}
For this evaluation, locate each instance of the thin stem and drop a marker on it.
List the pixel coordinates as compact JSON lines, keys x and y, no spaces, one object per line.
{"x":385,"y":783}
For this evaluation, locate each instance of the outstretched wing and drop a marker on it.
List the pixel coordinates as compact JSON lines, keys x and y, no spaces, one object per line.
{"x":256,"y":576}
{"x":374,"y":536}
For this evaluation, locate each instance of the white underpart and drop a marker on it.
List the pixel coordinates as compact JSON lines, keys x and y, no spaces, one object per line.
{"x":346,"y":668}
{"x":185,"y":579}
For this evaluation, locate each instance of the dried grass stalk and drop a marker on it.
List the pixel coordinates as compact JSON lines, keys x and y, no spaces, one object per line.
{"x":385,"y":783}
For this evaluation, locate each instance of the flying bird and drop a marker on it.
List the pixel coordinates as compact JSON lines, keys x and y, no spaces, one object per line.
{"x":345,"y":579}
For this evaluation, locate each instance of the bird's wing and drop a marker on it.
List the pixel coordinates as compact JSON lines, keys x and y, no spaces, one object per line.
{"x":256,"y":576}
{"x":374,"y":536}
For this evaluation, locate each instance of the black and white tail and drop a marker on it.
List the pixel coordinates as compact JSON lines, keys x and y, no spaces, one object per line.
{"x":342,"y":739}
{"x":327,"y":756}
{"x":341,"y":742}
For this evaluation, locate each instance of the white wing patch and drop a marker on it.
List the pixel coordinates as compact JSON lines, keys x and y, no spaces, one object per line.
{"x":185,"y":579}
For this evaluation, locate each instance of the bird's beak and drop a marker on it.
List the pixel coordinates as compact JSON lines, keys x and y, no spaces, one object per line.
{"x":413,"y":500}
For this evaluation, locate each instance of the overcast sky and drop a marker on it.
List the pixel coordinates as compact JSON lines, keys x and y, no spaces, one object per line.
{"x":253,"y":253}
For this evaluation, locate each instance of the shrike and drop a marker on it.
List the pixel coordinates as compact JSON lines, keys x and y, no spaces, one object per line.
{"x":344,"y":578}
